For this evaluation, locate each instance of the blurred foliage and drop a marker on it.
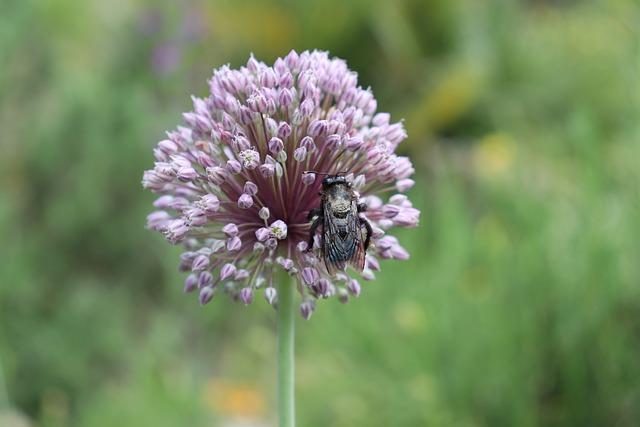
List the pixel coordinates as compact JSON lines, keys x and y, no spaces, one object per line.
{"x":520,"y":305}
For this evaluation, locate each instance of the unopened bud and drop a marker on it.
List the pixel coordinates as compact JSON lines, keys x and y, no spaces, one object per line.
{"x":307,"y":308}
{"x":191,"y":283}
{"x":230,"y":230}
{"x":353,"y":286}
{"x":206,"y":294}
{"x":270,"y":294}
{"x":264,"y":213}
{"x":245,"y":201}
{"x":227,"y":271}
{"x":246,"y":295}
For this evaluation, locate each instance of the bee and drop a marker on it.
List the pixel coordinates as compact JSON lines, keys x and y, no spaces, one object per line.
{"x":343,"y":239}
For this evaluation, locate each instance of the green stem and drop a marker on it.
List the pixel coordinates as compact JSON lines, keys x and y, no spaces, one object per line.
{"x":286,"y":333}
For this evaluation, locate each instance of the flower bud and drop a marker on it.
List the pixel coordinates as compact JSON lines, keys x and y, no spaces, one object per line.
{"x":399,"y":200}
{"x":246,"y":295}
{"x":403,"y":185}
{"x":245,"y":201}
{"x":253,"y":65}
{"x":230,"y":229}
{"x":190,"y":283}
{"x":286,"y":80}
{"x":268,"y":78}
{"x":179,"y":204}
{"x":157,"y":220}
{"x":209,"y":204}
{"x":316,"y":128}
{"x":306,"y":108}
{"x":271,"y":107}
{"x":354,"y":143}
{"x":264,"y":213}
{"x":195,"y":217}
{"x":187,"y":174}
{"x":308,"y":178}
{"x":300,"y":154}
{"x":206,"y":294}
{"x":241,"y":274}
{"x":263,"y":234}
{"x":276,"y":145}
{"x":368,"y":275}
{"x":381,"y":119}
{"x":353,"y":287}
{"x":204,"y":159}
{"x":321,"y":288}
{"x":227,"y":271}
{"x":297,"y":118}
{"x":280,"y":157}
{"x":267,"y":170}
{"x":204,"y":279}
{"x":307,"y":308}
{"x":271,"y":244}
{"x":200,"y":263}
{"x":163,"y":202}
{"x":390,"y":211}
{"x":398,"y":252}
{"x":176,"y":230}
{"x":216,"y":245}
{"x":168,"y":147}
{"x":285,"y":98}
{"x":216,"y":174}
{"x":250,"y":188}
{"x":245,"y":115}
{"x":285,"y":263}
{"x":332,"y":142}
{"x":270,"y":294}
{"x":234,"y":244}
{"x":373,"y":263}
{"x":234,"y":166}
{"x":284,"y":130}
{"x":292,"y":60}
{"x":310,"y":275}
{"x":308,"y":144}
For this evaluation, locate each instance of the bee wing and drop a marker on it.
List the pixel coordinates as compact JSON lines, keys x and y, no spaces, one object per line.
{"x":342,"y":242}
{"x":355,"y":229}
{"x":331,"y":245}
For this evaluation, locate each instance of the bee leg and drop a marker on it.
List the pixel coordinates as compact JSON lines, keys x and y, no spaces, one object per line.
{"x":367,"y":239}
{"x":312,"y":232}
{"x":314,"y":212}
{"x":362,"y":207}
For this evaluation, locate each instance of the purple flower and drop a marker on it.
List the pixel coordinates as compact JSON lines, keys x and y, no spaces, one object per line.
{"x":234,"y":186}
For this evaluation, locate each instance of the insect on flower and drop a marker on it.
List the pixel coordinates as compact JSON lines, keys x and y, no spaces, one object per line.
{"x":236,"y":189}
{"x":343,"y":240}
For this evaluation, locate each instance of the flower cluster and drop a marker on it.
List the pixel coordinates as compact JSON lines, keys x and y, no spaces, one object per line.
{"x":235,"y":184}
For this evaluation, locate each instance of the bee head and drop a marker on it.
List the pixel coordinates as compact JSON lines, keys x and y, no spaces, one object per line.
{"x":334,"y":179}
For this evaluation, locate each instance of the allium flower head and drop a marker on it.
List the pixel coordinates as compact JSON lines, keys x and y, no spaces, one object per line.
{"x":238,"y":180}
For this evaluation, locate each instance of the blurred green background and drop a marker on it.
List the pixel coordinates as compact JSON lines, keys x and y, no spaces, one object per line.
{"x":520,"y":305}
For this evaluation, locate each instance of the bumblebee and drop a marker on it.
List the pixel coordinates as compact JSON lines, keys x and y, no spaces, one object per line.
{"x":345,"y":235}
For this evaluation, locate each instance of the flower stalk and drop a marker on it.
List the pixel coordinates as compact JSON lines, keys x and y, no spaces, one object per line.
{"x":285,"y":351}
